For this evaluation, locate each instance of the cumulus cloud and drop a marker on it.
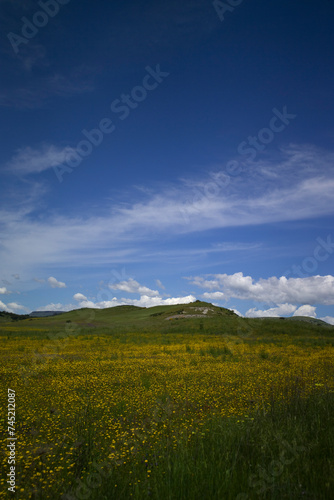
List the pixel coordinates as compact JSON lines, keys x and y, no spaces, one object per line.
{"x":273,"y":312}
{"x":89,"y":303}
{"x":13,"y":307}
{"x":79,"y":297}
{"x":3,"y":307}
{"x":143,"y":301}
{"x":307,"y":291}
{"x":132,"y":286}
{"x":54,"y":283}
{"x":328,"y":319}
{"x":306,"y":310}
{"x":283,"y":310}
{"x":4,"y":291}
{"x":149,"y":301}
{"x":237,"y":312}
{"x":147,"y":298}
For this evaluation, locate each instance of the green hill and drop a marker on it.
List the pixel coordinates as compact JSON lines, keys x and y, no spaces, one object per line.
{"x":196,"y":317}
{"x":8,"y":317}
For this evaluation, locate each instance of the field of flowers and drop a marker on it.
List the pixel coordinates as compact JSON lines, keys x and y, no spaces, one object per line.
{"x":105,"y":417}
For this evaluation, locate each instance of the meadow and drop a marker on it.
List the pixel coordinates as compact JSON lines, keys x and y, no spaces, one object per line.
{"x":130,"y":404}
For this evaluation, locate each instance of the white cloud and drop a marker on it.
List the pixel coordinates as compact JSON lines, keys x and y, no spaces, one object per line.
{"x":257,"y":196}
{"x":148,"y":297}
{"x":214,"y":296}
{"x":328,"y":319}
{"x":302,"y":190}
{"x":57,"y":307}
{"x":310,"y":290}
{"x":3,"y":306}
{"x":33,"y":161}
{"x":149,"y":301}
{"x":237,"y":312}
{"x":13,"y":307}
{"x":282,"y":310}
{"x":90,"y":304}
{"x":55,"y":283}
{"x":4,"y":291}
{"x":306,"y":311}
{"x":79,"y":296}
{"x":143,"y":301}
{"x":132,"y":286}
{"x":273,"y":312}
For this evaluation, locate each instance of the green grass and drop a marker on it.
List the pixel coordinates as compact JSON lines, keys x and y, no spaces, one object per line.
{"x":286,"y":453}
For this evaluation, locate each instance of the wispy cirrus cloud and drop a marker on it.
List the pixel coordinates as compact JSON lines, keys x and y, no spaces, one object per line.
{"x":125,"y":232}
{"x":30,"y":160}
{"x":31,"y":92}
{"x":294,"y":185}
{"x":31,"y":97}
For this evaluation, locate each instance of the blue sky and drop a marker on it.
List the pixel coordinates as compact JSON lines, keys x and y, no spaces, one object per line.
{"x":162,"y":152}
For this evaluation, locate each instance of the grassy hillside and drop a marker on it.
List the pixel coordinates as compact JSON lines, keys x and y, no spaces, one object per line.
{"x":197,"y":317}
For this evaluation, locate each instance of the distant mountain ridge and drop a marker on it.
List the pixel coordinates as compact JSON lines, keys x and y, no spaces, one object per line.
{"x":43,"y":314}
{"x":34,"y":314}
